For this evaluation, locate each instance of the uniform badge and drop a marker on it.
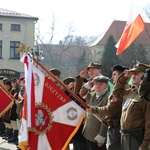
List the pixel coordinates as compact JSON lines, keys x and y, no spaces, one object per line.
{"x":126,"y":104}
{"x":114,"y":100}
{"x":72,"y":113}
{"x":44,"y":119}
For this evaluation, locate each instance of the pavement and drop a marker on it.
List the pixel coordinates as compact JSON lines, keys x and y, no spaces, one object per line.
{"x":4,"y":145}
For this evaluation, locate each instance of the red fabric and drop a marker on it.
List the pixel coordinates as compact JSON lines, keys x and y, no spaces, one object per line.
{"x":131,"y":32}
{"x":5,"y":100}
{"x":59,"y":133}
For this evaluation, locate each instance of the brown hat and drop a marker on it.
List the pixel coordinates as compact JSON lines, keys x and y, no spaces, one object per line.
{"x":68,"y":80}
{"x":101,"y":79}
{"x":55,"y":71}
{"x":96,"y":65}
{"x":139,"y":67}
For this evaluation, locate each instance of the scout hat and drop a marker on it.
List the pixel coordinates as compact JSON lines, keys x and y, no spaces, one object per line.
{"x":139,"y":67}
{"x":119,"y":68}
{"x":68,"y":80}
{"x":55,"y":71}
{"x":96,"y":65}
{"x":101,"y":79}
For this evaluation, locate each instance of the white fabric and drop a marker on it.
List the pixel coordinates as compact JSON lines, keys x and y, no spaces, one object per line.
{"x":60,"y":114}
{"x":87,"y":86}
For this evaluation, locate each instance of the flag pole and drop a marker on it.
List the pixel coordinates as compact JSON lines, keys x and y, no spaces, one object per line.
{"x":66,"y":88}
{"x":62,"y":84}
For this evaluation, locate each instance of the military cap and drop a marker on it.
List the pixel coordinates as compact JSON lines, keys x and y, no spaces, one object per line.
{"x":5,"y":79}
{"x":96,"y":65}
{"x":101,"y":79}
{"x":68,"y":80}
{"x":7,"y":82}
{"x":139,"y":67}
{"x":55,"y":71}
{"x":1,"y":77}
{"x":119,"y":68}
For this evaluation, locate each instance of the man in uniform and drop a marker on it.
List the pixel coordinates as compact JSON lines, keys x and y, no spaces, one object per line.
{"x":93,"y":70}
{"x":135,"y":122}
{"x":112,"y":111}
{"x":95,"y":131}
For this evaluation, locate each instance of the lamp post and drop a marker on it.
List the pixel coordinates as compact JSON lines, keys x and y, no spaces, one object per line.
{"x":37,"y":52}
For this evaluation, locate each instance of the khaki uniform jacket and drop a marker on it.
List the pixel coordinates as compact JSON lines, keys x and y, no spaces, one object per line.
{"x":112,"y":110}
{"x":144,"y":90}
{"x":93,"y":126}
{"x":135,"y":111}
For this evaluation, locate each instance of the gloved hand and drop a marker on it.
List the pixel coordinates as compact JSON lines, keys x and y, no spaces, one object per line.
{"x":146,"y":75}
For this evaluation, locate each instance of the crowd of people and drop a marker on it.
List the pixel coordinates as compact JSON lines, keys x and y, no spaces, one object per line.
{"x":113,"y":121}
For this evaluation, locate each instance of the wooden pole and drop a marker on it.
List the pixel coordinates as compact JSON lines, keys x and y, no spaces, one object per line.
{"x":62,"y":84}
{"x":66,"y":88}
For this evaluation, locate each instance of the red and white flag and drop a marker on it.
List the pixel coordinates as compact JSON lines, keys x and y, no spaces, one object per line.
{"x":6,"y":101}
{"x":57,"y":117}
{"x":28,"y":110}
{"x":133,"y":28}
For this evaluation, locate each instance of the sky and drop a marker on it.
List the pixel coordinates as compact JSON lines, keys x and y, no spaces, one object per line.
{"x":86,"y":17}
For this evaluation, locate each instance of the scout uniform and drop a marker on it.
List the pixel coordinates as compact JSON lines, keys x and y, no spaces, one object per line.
{"x":135,"y":122}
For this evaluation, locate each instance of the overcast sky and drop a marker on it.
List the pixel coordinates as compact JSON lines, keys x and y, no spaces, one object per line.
{"x":87,"y":17}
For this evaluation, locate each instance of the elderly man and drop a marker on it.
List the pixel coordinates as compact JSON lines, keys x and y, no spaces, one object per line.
{"x":94,"y":130}
{"x":112,"y":113}
{"x":135,"y":122}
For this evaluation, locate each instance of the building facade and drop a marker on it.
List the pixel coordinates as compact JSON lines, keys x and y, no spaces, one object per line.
{"x":15,"y":28}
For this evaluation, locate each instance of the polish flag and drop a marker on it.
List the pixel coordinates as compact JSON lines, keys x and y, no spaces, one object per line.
{"x":133,"y":28}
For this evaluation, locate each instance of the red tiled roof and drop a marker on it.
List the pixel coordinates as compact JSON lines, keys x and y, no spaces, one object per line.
{"x":116,"y":29}
{"x":8,"y":13}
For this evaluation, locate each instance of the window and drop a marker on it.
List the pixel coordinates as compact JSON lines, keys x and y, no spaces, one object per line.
{"x":13,"y":53}
{"x":15,"y":27}
{"x":0,"y":49}
{"x":0,"y":26}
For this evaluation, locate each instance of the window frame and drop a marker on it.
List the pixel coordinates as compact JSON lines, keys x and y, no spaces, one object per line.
{"x":15,"y":27}
{"x":1,"y":44}
{"x":1,"y":26}
{"x":13,"y":53}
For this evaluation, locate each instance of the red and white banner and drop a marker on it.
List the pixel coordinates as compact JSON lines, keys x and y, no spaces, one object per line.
{"x":133,"y":28}
{"x":57,"y":117}
{"x":6,"y":101}
{"x":28,"y":110}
